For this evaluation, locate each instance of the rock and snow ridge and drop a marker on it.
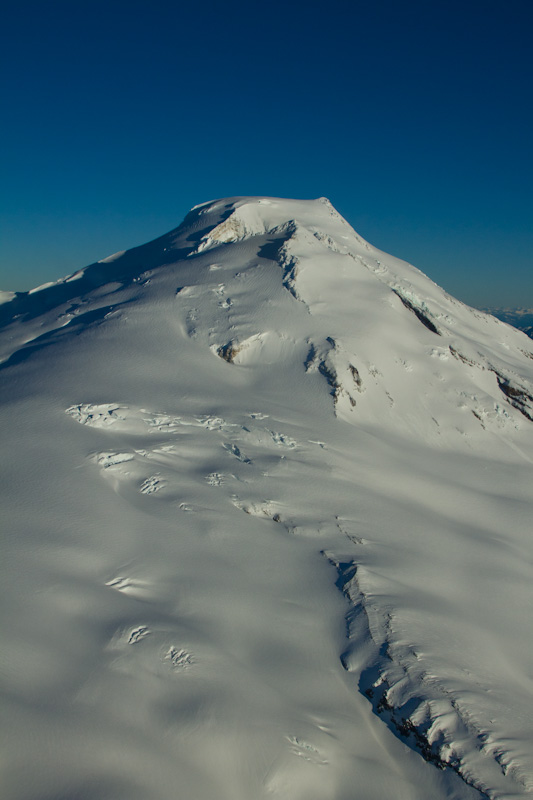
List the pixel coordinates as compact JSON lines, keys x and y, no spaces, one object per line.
{"x":279,"y":543}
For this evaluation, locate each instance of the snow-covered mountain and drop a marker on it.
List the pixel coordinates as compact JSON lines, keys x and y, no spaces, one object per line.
{"x":267,"y":524}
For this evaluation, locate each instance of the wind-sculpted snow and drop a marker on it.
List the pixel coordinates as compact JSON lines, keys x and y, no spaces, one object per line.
{"x":268,"y":524}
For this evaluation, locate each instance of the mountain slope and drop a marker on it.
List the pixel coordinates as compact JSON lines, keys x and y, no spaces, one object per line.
{"x":279,"y":543}
{"x":521,"y":318}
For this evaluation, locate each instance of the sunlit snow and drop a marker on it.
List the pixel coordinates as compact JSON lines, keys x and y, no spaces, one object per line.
{"x":267,"y":524}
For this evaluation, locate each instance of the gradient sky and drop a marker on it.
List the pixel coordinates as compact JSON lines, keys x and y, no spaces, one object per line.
{"x":414,"y":118}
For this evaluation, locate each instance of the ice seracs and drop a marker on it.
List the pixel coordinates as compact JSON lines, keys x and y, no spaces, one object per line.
{"x":268,"y":510}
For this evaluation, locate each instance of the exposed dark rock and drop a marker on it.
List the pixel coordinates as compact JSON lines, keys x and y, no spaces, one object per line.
{"x":229,"y":351}
{"x":356,"y":378}
{"x":517,"y":396}
{"x":460,"y":357}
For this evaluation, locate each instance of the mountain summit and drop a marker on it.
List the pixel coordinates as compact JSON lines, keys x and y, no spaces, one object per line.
{"x":268,"y":514}
{"x":354,"y":303}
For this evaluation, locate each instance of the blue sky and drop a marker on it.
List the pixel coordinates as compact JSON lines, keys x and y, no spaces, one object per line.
{"x":414,"y":118}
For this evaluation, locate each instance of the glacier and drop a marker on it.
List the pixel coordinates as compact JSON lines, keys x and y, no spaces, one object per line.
{"x":267,"y":504}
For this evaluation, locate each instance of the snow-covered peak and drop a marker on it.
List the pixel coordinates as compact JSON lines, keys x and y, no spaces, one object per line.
{"x":236,"y":218}
{"x":382,"y":335}
{"x":268,"y":503}
{"x":271,"y":211}
{"x":6,"y":297}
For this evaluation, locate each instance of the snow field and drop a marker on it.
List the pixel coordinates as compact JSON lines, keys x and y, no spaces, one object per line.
{"x":279,"y":543}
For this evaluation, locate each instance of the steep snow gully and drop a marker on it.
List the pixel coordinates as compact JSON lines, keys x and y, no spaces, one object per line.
{"x":267,"y":507}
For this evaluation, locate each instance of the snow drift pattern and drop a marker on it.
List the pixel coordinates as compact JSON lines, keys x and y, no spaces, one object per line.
{"x":279,"y":543}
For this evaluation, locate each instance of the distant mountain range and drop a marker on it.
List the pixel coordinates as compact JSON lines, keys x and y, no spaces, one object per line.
{"x":521,"y":318}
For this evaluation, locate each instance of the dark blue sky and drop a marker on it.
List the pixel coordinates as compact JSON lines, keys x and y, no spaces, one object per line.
{"x":414,"y":118}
